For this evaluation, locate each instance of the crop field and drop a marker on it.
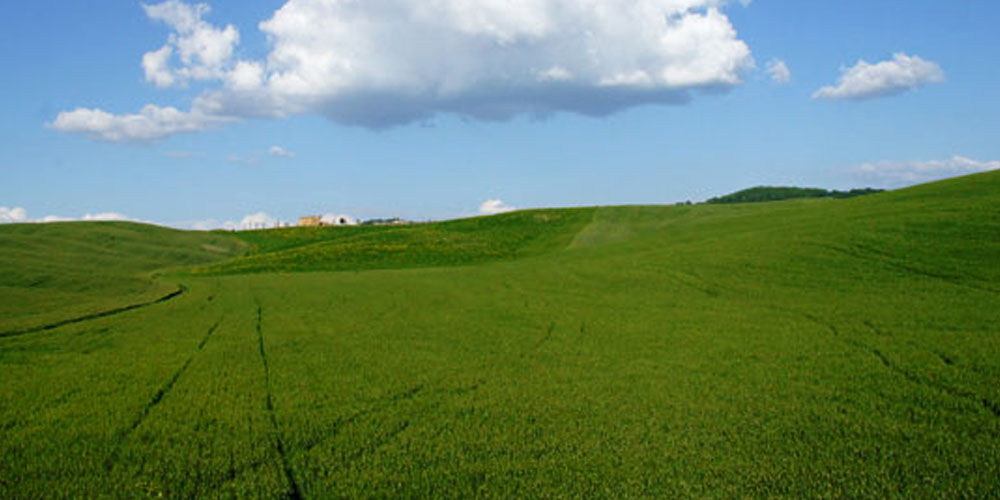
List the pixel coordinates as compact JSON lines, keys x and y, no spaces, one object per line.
{"x":818,"y":348}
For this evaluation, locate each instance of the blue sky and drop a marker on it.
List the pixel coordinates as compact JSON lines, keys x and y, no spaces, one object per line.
{"x":428,"y":116}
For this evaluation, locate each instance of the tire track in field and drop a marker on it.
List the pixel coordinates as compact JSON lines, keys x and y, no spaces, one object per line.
{"x":538,"y":343}
{"x":103,"y":314}
{"x":890,"y":261}
{"x":294,"y":493}
{"x":341,"y":422}
{"x":946,"y":359}
{"x":380,"y":441}
{"x":991,"y":406}
{"x":381,"y":405}
{"x":157,"y":398}
{"x":389,"y":433}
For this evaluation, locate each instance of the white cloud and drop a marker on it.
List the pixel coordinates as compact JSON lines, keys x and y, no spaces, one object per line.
{"x":378,"y":64}
{"x":56,"y":218}
{"x":492,"y":207}
{"x":15,"y":214}
{"x":259,"y":220}
{"x":204,"y":51}
{"x":886,"y":78}
{"x":153,"y":122}
{"x":246,"y":75}
{"x":779,"y":71}
{"x":252,"y":160}
{"x":18,"y":214}
{"x":895,"y":173}
{"x":555,"y":74}
{"x":201,"y":225}
{"x":156,"y":64}
{"x":280,"y":152}
{"x":107,"y":216}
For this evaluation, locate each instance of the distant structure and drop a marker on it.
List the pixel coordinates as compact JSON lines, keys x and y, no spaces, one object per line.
{"x":310,"y":221}
{"x":326,"y":220}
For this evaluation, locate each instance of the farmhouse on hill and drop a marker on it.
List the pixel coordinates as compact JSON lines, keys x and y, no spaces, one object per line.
{"x":309,"y":220}
{"x":326,"y":220}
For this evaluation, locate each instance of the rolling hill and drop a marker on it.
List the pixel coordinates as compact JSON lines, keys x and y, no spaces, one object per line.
{"x":842,"y":348}
{"x":59,"y":271}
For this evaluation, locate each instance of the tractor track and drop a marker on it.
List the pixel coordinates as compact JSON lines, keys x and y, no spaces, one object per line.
{"x":989,"y":405}
{"x":293,"y":493}
{"x":103,"y":314}
{"x":538,"y":343}
{"x":888,"y":261}
{"x":342,"y":422}
{"x":157,"y":398}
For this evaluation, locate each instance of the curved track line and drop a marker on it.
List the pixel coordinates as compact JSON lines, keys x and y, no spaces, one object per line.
{"x":987,"y":404}
{"x":102,"y":314}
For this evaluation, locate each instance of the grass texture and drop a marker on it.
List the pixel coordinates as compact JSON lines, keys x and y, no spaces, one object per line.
{"x":800,"y":349}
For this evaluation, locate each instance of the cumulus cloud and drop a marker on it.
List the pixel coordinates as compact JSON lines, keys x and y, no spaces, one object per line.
{"x":280,"y":152}
{"x":14,"y":214}
{"x":779,"y":71}
{"x":886,"y":78}
{"x":894,"y":173}
{"x":56,"y":218}
{"x":18,"y":214}
{"x":107,"y":216}
{"x":153,"y":122}
{"x":259,"y":220}
{"x":492,"y":207}
{"x":378,"y":64}
{"x":203,"y":51}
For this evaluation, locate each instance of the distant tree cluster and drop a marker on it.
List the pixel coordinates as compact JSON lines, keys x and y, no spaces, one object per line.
{"x":383,"y":222}
{"x":767,"y":193}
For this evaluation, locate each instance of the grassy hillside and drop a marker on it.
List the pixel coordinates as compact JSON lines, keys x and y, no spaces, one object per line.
{"x":801,"y":349}
{"x":53,"y":272}
{"x":456,"y":242}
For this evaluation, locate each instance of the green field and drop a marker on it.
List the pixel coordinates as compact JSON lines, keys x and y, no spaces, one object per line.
{"x":817,"y":348}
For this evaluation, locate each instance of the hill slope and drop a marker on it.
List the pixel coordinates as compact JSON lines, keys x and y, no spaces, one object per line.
{"x":53,"y":272}
{"x":456,"y":242}
{"x":800,"y":349}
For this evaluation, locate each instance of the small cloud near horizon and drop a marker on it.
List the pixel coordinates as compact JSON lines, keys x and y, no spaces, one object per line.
{"x":20,"y":215}
{"x":13,"y":214}
{"x":493,"y":207}
{"x":258,"y":220}
{"x":906,"y":173}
